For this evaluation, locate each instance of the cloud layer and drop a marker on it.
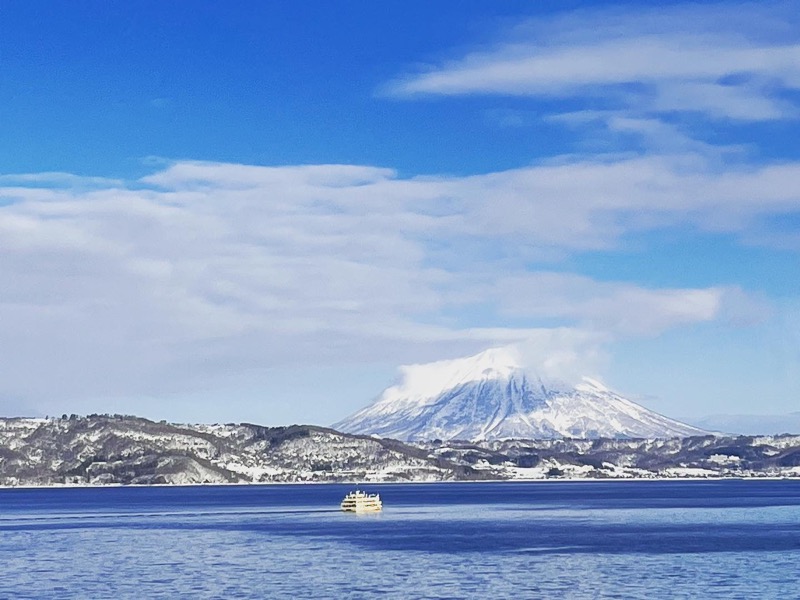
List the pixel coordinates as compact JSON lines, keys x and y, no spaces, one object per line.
{"x":204,"y":269}
{"x":731,"y":61}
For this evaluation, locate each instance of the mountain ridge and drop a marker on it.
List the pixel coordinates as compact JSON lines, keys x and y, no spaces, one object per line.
{"x":105,"y":449}
{"x":124,"y":450}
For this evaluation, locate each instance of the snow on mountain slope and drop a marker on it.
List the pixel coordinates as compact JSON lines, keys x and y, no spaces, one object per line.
{"x":116,"y":449}
{"x":491,"y":396}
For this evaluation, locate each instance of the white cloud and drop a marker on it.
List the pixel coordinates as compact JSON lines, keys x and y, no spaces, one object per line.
{"x":58,"y":179}
{"x":607,"y":306}
{"x":204,"y":269}
{"x":683,"y":58}
{"x":564,"y":354}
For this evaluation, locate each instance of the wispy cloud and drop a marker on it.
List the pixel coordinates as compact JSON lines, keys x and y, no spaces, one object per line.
{"x":58,"y":179}
{"x":202,"y":269}
{"x":607,"y":306}
{"x":693,"y":58}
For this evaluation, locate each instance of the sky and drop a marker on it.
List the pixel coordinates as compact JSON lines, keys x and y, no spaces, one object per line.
{"x":251,"y":211}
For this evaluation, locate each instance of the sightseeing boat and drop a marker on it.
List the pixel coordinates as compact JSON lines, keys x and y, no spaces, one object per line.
{"x":359,"y":501}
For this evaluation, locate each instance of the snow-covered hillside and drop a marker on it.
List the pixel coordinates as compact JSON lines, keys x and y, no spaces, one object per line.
{"x":492,"y":396}
{"x":104,"y":449}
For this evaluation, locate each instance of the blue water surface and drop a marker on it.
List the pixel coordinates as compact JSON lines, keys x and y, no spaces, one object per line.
{"x":622,"y":539}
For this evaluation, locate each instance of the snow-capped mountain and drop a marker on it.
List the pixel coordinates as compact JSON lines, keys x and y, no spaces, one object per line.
{"x":491,"y":396}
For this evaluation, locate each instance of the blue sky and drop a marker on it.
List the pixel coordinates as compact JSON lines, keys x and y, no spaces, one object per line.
{"x":257,"y":211}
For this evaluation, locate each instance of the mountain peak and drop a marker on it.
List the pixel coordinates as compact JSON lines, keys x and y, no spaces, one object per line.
{"x":419,"y":382}
{"x":491,"y":395}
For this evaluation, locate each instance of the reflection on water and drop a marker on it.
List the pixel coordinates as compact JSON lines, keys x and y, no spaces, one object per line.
{"x":596,"y":540}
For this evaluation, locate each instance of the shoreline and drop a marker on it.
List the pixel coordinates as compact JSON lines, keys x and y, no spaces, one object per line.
{"x":591,"y":480}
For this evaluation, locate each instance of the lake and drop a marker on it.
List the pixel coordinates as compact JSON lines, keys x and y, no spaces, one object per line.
{"x":590,"y":539}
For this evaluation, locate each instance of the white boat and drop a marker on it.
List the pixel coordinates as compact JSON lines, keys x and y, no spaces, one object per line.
{"x":359,"y":501}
